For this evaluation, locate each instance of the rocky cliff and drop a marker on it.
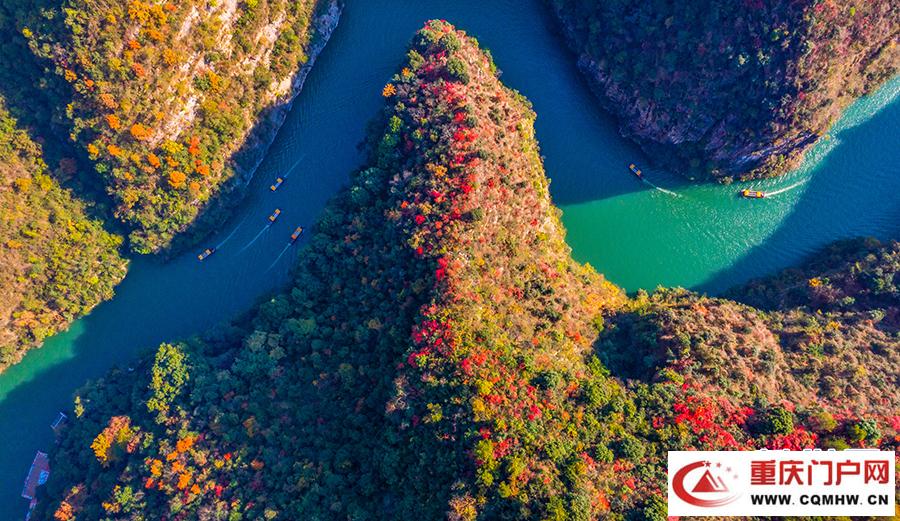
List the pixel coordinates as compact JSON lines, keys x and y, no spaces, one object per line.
{"x":176,"y":103}
{"x":716,"y":89}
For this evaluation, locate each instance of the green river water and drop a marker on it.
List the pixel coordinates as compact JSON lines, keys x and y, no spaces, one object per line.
{"x":702,"y":237}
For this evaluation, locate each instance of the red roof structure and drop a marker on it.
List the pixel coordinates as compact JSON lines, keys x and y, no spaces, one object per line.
{"x":40,"y":471}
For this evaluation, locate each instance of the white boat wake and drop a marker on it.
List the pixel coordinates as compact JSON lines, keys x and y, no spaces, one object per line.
{"x":279,"y":257}
{"x":795,"y":185}
{"x":661,"y":189}
{"x":229,"y":236}
{"x":254,"y":239}
{"x":291,"y":169}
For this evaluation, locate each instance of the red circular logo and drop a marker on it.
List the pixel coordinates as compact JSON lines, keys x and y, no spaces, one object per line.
{"x":709,"y":490}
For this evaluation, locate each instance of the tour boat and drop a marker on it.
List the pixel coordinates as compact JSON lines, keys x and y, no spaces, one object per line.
{"x":277,"y":184}
{"x":636,"y":172}
{"x":274,"y":216}
{"x":296,"y":234}
{"x":206,"y":254}
{"x":753,"y":194}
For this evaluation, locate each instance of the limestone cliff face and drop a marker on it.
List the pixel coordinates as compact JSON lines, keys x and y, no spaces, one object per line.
{"x":177,"y":104}
{"x":724,"y":89}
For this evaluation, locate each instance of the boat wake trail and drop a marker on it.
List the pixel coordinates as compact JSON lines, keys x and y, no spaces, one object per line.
{"x":291,"y":169}
{"x":279,"y":257}
{"x":795,"y":185}
{"x":229,"y":236}
{"x":661,"y":189}
{"x":254,"y":239}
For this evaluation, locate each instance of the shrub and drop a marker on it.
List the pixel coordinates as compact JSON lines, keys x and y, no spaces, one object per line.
{"x":629,"y":447}
{"x":458,"y":69}
{"x":450,"y":43}
{"x":779,"y":421}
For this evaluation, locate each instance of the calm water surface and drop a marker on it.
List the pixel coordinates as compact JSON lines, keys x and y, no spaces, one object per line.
{"x":702,"y":237}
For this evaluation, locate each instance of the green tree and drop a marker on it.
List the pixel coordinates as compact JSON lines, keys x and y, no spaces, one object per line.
{"x":169,"y":374}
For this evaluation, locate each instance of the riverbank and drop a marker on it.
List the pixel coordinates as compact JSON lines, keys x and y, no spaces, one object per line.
{"x":245,"y":154}
{"x":281,"y":98}
{"x":732,"y":90}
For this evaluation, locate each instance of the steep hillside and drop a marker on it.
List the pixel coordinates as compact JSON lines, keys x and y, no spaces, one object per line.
{"x":436,"y":312}
{"x":56,"y":262}
{"x":440,"y":355}
{"x":176,"y":103}
{"x":719,"y":88}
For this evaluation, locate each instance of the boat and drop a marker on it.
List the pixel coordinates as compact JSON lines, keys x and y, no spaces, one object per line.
{"x":296,"y":234}
{"x":636,"y":172}
{"x":274,"y":216}
{"x":206,"y":254}
{"x":277,"y":184}
{"x":753,"y":194}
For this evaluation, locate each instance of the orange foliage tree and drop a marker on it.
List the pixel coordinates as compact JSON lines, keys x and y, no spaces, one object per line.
{"x":176,"y":179}
{"x":140,"y":132}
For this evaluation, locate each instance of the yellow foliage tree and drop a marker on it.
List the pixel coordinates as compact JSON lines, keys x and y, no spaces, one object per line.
{"x":170,"y":57}
{"x":101,"y":448}
{"x":22,"y":185}
{"x":139,"y":11}
{"x":215,"y":82}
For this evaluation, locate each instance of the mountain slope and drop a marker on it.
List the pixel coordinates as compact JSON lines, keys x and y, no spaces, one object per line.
{"x":176,"y":103}
{"x":56,"y":262}
{"x":731,"y":88}
{"x":436,"y":311}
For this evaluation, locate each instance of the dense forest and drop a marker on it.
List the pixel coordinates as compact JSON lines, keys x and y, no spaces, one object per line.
{"x":440,"y":355}
{"x":124,"y":117}
{"x":719,"y":89}
{"x":175,"y":103}
{"x":56,"y":260}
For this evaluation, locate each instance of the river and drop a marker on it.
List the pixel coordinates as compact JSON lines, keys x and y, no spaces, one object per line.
{"x":702,"y":237}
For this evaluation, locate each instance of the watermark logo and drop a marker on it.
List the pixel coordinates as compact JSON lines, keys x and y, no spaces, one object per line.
{"x":781,"y":483}
{"x":704,"y":484}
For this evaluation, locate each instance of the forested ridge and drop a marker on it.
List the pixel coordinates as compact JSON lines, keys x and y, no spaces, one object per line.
{"x":163,"y":97}
{"x":56,"y":260}
{"x":722,"y":89}
{"x":125,"y":118}
{"x":440,"y":355}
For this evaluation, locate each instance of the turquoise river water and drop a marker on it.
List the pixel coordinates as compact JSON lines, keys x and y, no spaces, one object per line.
{"x":698,"y":236}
